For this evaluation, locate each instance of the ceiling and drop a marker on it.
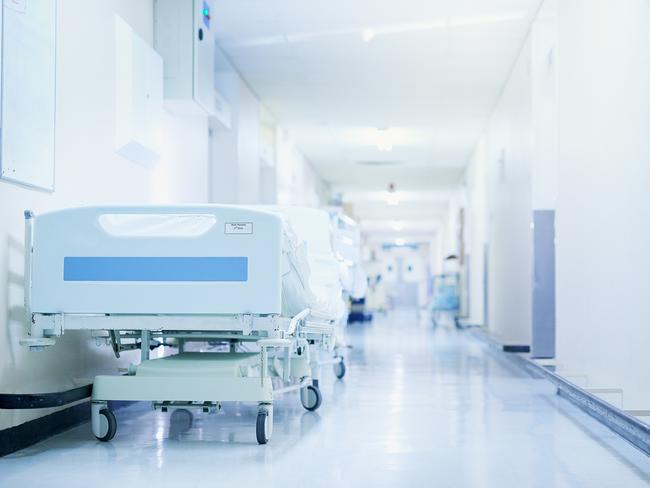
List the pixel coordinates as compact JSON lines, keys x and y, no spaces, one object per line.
{"x":335,"y":71}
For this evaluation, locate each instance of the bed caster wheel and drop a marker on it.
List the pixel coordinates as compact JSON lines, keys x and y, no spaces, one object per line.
{"x":108,"y":425}
{"x":339,"y":369}
{"x":311,"y":397}
{"x":264,"y":424}
{"x":181,"y":420}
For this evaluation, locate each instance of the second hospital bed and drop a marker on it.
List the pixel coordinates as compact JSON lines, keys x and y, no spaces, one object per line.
{"x":146,"y":276}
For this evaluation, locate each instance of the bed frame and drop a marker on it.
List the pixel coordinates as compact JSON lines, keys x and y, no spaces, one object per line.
{"x":146,"y":276}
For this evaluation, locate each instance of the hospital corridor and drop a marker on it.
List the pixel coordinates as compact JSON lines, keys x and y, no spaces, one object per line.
{"x":319,"y":243}
{"x":429,"y":407}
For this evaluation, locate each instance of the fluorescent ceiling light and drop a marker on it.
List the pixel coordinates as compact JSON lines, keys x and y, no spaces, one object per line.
{"x":386,"y":138}
{"x":437,"y":198}
{"x":369,"y":33}
{"x":446,"y":23}
{"x":392,"y":199}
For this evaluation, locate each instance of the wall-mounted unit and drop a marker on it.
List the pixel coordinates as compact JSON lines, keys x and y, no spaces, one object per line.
{"x":184,"y":37}
{"x":138,"y":96}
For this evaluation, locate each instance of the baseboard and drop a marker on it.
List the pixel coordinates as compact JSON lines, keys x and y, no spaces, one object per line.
{"x":24,"y":435}
{"x":615,"y":419}
{"x":21,"y":401}
{"x":519,"y":348}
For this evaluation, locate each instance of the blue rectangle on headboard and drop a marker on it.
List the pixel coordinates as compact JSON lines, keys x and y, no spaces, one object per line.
{"x":155,"y":268}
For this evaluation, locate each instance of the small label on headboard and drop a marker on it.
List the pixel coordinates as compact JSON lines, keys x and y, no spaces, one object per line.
{"x":239,"y":228}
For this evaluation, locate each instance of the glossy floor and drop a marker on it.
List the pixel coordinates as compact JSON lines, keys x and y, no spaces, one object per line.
{"x":418,"y":407}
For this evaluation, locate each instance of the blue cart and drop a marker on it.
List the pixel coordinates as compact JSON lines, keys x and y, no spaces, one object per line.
{"x":446,"y":298}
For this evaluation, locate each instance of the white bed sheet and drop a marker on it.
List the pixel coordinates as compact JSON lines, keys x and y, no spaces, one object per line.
{"x":310,"y":275}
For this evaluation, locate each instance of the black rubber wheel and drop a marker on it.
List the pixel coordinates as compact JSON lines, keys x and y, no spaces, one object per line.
{"x":112,"y":425}
{"x":181,"y":419}
{"x":260,"y":427}
{"x":339,"y":369}
{"x":314,"y":398}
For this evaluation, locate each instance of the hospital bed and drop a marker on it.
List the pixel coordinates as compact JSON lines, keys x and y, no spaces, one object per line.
{"x":140,"y":277}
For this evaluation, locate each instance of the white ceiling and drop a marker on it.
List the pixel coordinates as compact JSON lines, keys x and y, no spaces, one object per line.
{"x":433,"y":69}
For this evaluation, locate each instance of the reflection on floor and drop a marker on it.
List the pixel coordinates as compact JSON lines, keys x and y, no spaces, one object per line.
{"x":418,"y":407}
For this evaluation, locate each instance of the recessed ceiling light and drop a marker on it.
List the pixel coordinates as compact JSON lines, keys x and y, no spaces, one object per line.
{"x":392,"y":199}
{"x":384,"y":146}
{"x":379,"y":162}
{"x":384,"y":140}
{"x":387,"y":136}
{"x":367,"y":35}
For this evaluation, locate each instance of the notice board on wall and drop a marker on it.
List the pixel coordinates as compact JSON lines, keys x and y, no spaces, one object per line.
{"x":28,"y":92}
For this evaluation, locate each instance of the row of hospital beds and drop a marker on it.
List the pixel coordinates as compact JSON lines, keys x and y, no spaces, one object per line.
{"x":265,"y":283}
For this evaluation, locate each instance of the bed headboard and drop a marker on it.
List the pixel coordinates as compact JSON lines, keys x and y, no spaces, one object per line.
{"x":211,"y":259}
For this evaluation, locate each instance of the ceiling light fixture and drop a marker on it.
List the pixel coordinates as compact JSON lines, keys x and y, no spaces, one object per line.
{"x":392,"y":200}
{"x":367,"y":35}
{"x":391,"y":197}
{"x":400,"y":242}
{"x":384,"y":140}
{"x":397,"y":225}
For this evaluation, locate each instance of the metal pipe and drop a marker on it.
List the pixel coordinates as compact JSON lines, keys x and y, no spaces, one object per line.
{"x":29,"y":244}
{"x":144,"y":345}
{"x":298,"y":386}
{"x":293,"y":325}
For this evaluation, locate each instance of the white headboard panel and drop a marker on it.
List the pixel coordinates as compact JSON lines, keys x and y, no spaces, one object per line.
{"x":211,"y":259}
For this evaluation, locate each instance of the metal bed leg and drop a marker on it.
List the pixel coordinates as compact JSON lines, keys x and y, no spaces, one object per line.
{"x":315,"y":366}
{"x":145,"y":343}
{"x":311,"y":396}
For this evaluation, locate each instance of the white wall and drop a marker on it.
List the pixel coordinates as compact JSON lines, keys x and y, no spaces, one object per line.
{"x":268,"y":173}
{"x":224,"y":143}
{"x":512,"y":172}
{"x":573,"y":126}
{"x":509,"y":153}
{"x":476,"y":231}
{"x":87,"y":172}
{"x":238,"y":174}
{"x":297,"y":182}
{"x":498,"y":185}
{"x":603,"y":257}
{"x":451,"y":234}
{"x":235,"y":152}
{"x":545,"y":111}
{"x":248,"y":115}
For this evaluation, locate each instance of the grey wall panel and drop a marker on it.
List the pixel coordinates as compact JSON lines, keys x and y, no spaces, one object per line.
{"x":543,"y":343}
